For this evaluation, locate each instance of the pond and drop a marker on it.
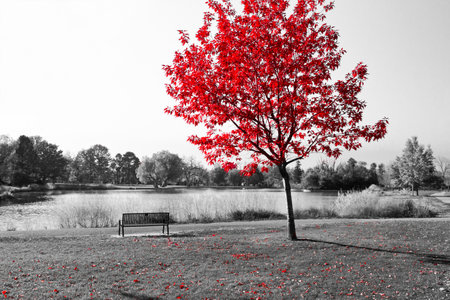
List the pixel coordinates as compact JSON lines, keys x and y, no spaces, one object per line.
{"x":53,"y":210}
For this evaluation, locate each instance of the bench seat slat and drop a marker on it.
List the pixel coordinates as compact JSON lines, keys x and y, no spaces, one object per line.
{"x":143,"y":225}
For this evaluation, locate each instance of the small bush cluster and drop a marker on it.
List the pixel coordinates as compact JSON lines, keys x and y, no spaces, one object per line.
{"x":255,"y":214}
{"x":315,"y":213}
{"x":203,"y":218}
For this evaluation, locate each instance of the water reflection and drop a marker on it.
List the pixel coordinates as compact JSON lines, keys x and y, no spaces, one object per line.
{"x":24,"y":198}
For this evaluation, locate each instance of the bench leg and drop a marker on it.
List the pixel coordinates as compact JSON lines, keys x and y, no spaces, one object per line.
{"x":167,"y":228}
{"x":163,"y":229}
{"x":123,"y":230}
{"x":119,"y":227}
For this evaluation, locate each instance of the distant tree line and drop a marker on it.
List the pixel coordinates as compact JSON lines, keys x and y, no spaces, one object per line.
{"x":33,"y":160}
{"x":30,"y":160}
{"x":345,"y":176}
{"x":414,"y":169}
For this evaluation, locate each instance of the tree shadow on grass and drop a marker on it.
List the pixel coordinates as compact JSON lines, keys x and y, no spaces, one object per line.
{"x":172,"y":235}
{"x":430,"y":258}
{"x":136,"y":297}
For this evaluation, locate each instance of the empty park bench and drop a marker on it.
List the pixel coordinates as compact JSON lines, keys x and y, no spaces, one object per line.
{"x":144,"y":219}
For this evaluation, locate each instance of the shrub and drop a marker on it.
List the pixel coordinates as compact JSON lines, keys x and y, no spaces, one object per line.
{"x":203,"y":218}
{"x":10,"y":227}
{"x":315,"y":213}
{"x":255,"y":214}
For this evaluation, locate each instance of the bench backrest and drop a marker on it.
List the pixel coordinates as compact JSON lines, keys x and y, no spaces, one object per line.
{"x":146,"y":218}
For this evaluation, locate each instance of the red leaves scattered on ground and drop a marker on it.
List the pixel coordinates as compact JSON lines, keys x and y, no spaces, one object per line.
{"x":234,"y":268}
{"x":245,"y":256}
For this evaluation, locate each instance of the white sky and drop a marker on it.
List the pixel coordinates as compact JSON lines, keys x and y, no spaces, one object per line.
{"x":85,"y":72}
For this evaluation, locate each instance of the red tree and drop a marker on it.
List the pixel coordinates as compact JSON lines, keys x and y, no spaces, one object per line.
{"x":260,"y":83}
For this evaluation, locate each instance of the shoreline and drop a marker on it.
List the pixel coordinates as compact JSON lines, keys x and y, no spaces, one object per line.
{"x":438,"y":206}
{"x":183,"y":228}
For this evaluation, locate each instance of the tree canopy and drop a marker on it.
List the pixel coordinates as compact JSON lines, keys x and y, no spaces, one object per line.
{"x":260,"y":82}
{"x":124,"y":168}
{"x":92,"y":165}
{"x":161,"y":168}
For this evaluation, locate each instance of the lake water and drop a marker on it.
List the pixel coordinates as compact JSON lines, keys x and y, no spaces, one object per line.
{"x":37,"y":211}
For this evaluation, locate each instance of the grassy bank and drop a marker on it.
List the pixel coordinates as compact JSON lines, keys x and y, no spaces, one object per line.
{"x":405,"y":259}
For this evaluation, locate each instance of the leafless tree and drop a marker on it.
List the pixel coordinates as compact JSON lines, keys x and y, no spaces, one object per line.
{"x":443,"y":166}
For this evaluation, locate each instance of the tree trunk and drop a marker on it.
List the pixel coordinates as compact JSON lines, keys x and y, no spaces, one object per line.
{"x":290,"y":210}
{"x":415,"y":189}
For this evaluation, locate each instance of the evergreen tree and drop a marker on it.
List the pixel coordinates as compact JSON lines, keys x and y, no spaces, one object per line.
{"x":23,"y":163}
{"x":7,"y":147}
{"x":373,"y":176}
{"x":297,"y":173}
{"x":381,"y":175}
{"x":414,"y":167}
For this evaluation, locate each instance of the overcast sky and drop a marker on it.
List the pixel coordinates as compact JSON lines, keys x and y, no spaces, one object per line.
{"x":85,"y":72}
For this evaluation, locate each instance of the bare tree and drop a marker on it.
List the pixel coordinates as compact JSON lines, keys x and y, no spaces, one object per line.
{"x":443,"y":166}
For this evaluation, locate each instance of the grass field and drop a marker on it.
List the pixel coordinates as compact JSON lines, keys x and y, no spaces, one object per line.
{"x":375,"y":259}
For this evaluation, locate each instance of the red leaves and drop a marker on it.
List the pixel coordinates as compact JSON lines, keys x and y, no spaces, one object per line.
{"x":4,"y":294}
{"x":261,"y":85}
{"x":244,"y":256}
{"x":249,"y":169}
{"x":184,"y":37}
{"x":227,"y":166}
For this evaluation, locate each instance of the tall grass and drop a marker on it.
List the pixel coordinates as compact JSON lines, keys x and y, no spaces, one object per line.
{"x":86,"y":215}
{"x":212,"y":206}
{"x":367,"y":204}
{"x":104,"y":209}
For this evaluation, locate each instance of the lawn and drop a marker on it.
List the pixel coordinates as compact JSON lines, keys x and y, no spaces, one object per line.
{"x":375,"y":259}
